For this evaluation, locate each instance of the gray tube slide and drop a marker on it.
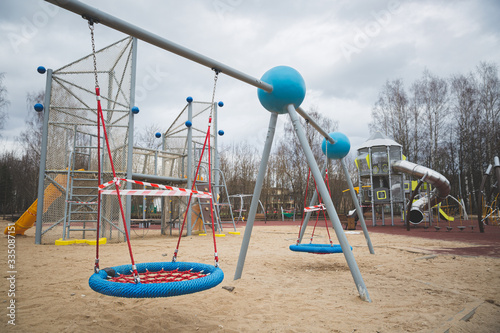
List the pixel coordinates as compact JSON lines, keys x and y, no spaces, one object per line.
{"x":441,"y":187}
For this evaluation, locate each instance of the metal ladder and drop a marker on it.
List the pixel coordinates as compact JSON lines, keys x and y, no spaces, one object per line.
{"x":223,"y":199}
{"x":81,"y":201}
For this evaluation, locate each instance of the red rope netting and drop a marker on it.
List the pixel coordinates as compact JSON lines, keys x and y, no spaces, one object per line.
{"x":160,"y":276}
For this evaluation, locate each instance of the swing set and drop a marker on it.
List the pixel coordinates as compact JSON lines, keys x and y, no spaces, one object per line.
{"x":160,"y":279}
{"x":281,"y":90}
{"x":320,"y":208}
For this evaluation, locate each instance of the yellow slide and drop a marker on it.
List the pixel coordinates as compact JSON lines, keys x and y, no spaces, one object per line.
{"x":445,"y":216}
{"x":28,"y":218}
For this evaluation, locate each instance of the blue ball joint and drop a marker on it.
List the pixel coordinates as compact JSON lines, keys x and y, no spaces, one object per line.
{"x":158,"y":134}
{"x":38,"y":107}
{"x":221,"y":104}
{"x":41,"y":70}
{"x":221,"y":132}
{"x":189,"y":99}
{"x":188,"y":123}
{"x":338,"y":150}
{"x":288,"y":88}
{"x":135,"y":110}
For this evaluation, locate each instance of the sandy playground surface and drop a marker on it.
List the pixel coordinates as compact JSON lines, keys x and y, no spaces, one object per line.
{"x":413,"y":288}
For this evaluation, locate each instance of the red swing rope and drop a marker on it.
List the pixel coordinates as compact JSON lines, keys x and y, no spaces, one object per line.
{"x":305,"y":204}
{"x":193,"y":187}
{"x":320,"y":201}
{"x":100,"y":118}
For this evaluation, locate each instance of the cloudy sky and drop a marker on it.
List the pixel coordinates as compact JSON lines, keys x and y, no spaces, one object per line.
{"x":345,"y":50}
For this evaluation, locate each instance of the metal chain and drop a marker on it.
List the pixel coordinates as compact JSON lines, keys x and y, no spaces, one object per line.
{"x":91,"y":27}
{"x":213,"y":92}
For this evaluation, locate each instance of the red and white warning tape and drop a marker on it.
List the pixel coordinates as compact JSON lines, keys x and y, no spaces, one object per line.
{"x":314,"y":208}
{"x":163,"y":193}
{"x":167,"y":190}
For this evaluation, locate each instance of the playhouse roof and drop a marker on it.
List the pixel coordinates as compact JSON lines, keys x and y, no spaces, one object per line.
{"x":378,"y":139}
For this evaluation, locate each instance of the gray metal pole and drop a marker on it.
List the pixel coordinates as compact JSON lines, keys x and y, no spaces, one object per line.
{"x":43,"y":158}
{"x":256,"y":195}
{"x":358,"y":207}
{"x":332,"y":213}
{"x":130,"y":148}
{"x":189,"y":165}
{"x":98,"y":16}
{"x":313,"y":200}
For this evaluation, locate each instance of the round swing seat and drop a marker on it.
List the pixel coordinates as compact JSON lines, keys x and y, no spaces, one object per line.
{"x":317,"y":248}
{"x":159,"y":279}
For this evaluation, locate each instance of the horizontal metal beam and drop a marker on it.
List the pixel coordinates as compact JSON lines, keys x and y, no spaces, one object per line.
{"x":311,"y":121}
{"x":97,"y":16}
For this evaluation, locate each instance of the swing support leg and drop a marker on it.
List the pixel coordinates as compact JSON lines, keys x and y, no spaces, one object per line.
{"x":323,"y":191}
{"x":256,"y":195}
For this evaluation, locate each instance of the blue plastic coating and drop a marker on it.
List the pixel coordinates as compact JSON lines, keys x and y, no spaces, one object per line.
{"x":41,"y":69}
{"x":158,"y":134}
{"x":38,"y":107}
{"x":135,"y":110}
{"x":338,"y":150}
{"x":100,"y":284}
{"x":188,"y":123}
{"x":317,"y":248}
{"x":189,"y":99}
{"x":288,"y":88}
{"x":221,"y":132}
{"x":221,"y":104}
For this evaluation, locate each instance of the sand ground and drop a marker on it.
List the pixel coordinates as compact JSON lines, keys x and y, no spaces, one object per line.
{"x":412,"y":288}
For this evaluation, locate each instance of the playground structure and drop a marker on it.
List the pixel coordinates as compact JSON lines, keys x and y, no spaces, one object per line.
{"x":281,"y":90}
{"x":381,"y":169}
{"x":69,"y":148}
{"x":489,"y":211}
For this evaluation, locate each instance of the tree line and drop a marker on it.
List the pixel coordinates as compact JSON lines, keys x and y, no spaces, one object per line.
{"x":451,"y":125}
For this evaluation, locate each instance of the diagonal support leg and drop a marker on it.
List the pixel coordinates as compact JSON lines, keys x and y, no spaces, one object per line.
{"x":256,"y":195}
{"x":323,"y":191}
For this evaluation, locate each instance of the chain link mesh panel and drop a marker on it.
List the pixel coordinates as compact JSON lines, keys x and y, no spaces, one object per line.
{"x":72,"y":142}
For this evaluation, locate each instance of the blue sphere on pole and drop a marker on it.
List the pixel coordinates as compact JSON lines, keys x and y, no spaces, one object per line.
{"x":41,"y":69}
{"x":288,"y":88}
{"x":158,"y":134}
{"x":188,"y":123}
{"x":38,"y":107}
{"x":338,"y":150}
{"x":135,"y":110}
{"x":221,"y":104}
{"x":221,"y":132}
{"x":189,"y":99}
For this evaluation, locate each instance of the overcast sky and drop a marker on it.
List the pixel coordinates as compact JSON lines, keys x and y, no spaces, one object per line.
{"x":345,"y":50}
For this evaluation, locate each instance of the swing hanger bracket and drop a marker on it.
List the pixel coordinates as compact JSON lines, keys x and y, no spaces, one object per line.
{"x":216,"y":70}
{"x":90,"y":19}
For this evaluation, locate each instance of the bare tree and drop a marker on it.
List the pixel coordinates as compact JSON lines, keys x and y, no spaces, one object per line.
{"x":4,"y":103}
{"x":391,"y":114}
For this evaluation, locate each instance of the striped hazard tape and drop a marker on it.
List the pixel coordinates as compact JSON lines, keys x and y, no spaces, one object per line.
{"x":83,"y":202}
{"x":163,"y":193}
{"x":166,"y":190}
{"x":314,"y":208}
